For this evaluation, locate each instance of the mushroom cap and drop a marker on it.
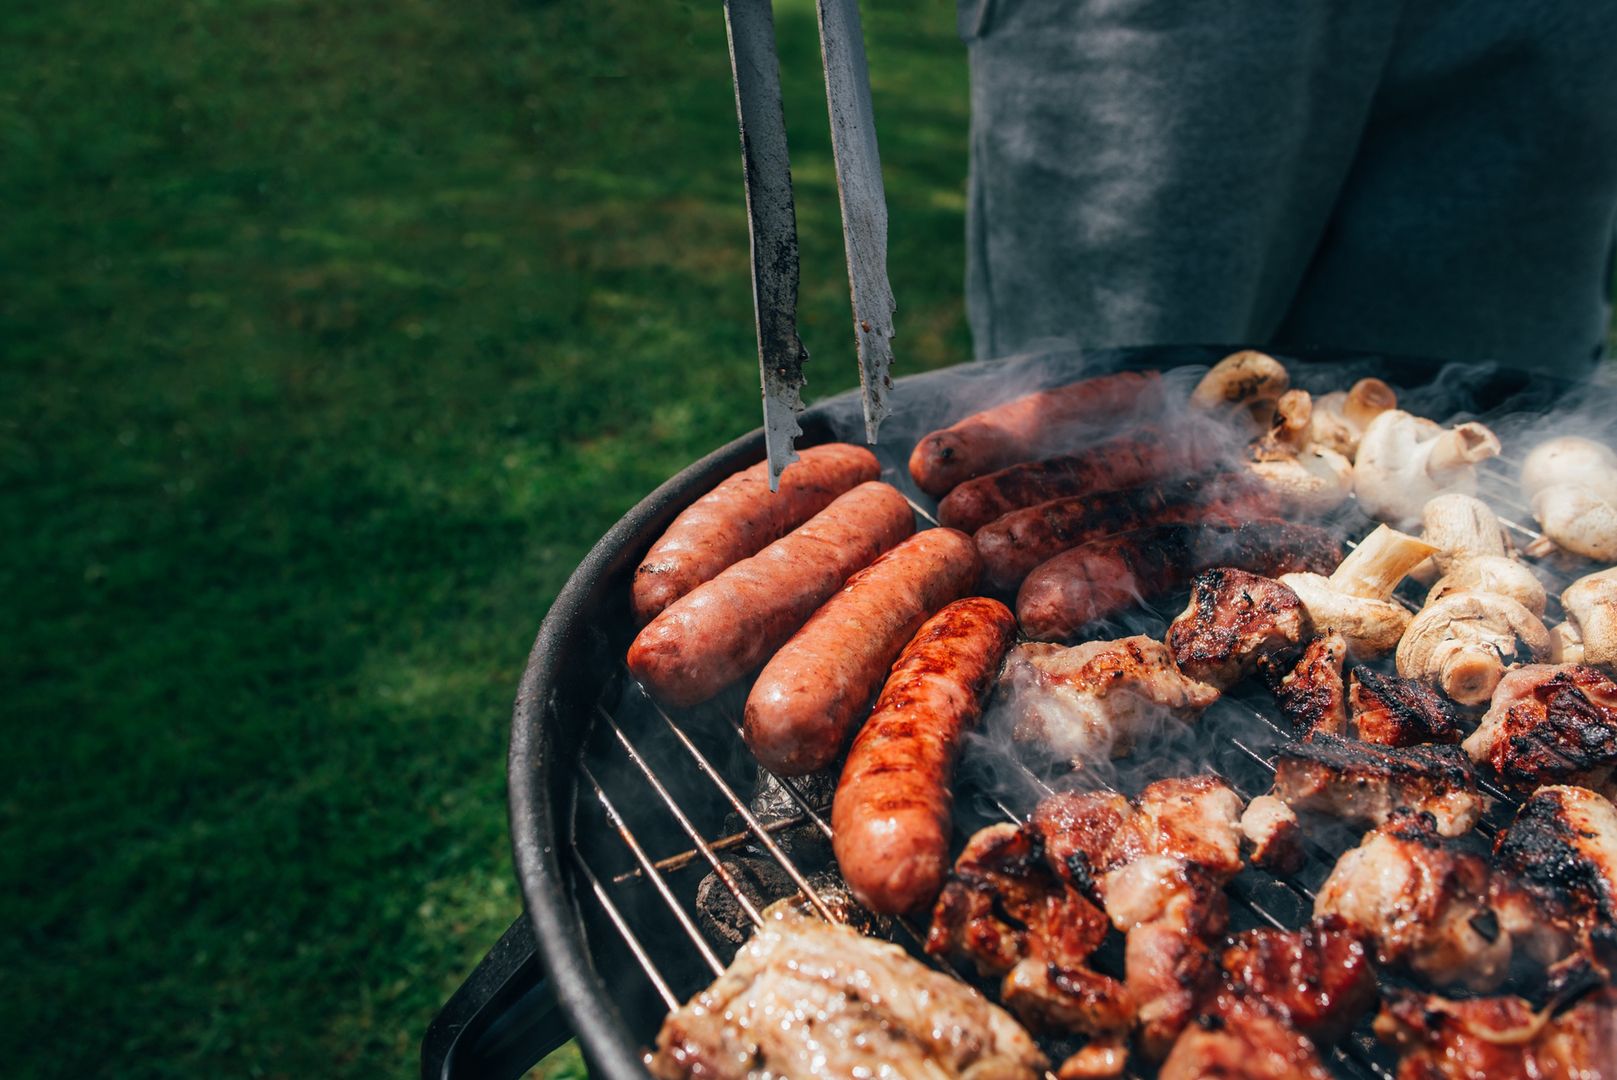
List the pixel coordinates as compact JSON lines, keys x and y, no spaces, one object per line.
{"x":1462,"y":641}
{"x":1404,"y":461}
{"x":1241,"y":378}
{"x":1313,"y":481}
{"x":1566,"y":644}
{"x":1492,"y":574}
{"x":1591,"y":609}
{"x":1578,"y":519}
{"x":1462,"y":527}
{"x":1570,"y":459}
{"x":1370,"y":627}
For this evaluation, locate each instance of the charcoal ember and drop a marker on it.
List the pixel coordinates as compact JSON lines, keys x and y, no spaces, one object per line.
{"x":806,"y":843}
{"x":763,"y":882}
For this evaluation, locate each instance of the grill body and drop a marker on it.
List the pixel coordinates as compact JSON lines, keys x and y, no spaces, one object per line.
{"x":603,"y":784}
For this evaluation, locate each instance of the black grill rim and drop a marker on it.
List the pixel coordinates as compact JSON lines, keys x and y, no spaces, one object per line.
{"x":570,"y":659}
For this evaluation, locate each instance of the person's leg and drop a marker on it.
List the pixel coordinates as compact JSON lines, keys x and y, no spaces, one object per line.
{"x":1478,"y":219}
{"x":1148,"y":171}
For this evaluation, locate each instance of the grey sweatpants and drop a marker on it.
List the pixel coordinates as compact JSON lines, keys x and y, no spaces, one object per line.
{"x":1433,"y":177}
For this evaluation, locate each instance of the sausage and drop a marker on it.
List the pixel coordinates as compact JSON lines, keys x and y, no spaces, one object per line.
{"x":1018,"y":542}
{"x":1104,"y":578}
{"x":1029,"y":427}
{"x":809,"y":696}
{"x":890,"y":821}
{"x":1145,"y":456}
{"x":726,"y":627}
{"x":739,"y":518}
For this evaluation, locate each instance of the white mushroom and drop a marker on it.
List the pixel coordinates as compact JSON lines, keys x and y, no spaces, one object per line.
{"x":1306,"y":478}
{"x":1496,"y":574}
{"x":1461,"y":527}
{"x":1249,"y":380}
{"x":1405,"y":461}
{"x":1591,"y":621}
{"x":1571,"y":460}
{"x":1341,"y":416}
{"x":1575,"y":517}
{"x":1354,"y":601}
{"x":1462,"y":644}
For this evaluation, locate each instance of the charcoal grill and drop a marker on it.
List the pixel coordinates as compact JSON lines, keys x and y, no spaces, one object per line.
{"x":619,"y":807}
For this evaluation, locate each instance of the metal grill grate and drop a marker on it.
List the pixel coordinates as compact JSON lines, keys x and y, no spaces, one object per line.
{"x":703,"y":769}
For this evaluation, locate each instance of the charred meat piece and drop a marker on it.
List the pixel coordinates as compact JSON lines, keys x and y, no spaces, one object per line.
{"x":1144,"y":456}
{"x":1422,"y":902}
{"x":1104,"y":578}
{"x":1502,"y":1038}
{"x":1235,"y":622}
{"x":1555,"y":876}
{"x":1093,"y":701}
{"x":1243,"y":1042}
{"x":1549,"y":723}
{"x":1004,"y":913}
{"x":1391,"y":711}
{"x":1312,"y":696}
{"x":1274,"y":835}
{"x":1318,"y":979}
{"x":1023,"y":539}
{"x":1159,"y":869}
{"x":809,"y":998}
{"x":1365,"y":784}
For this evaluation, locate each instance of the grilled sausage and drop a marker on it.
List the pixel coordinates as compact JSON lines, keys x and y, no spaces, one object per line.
{"x":1018,"y":542}
{"x":809,"y":696}
{"x":1029,"y":427}
{"x":726,"y":627}
{"x":1144,"y":456}
{"x":890,"y":821}
{"x":1104,"y":578}
{"x":740,"y":517}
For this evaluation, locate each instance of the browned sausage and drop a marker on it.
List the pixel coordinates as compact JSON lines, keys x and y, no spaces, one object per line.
{"x":740,"y":517}
{"x":722,"y":629}
{"x":890,"y":821}
{"x":1144,"y":456}
{"x":1028,"y":427}
{"x":1018,"y":542}
{"x":1104,"y":578}
{"x":809,"y":696}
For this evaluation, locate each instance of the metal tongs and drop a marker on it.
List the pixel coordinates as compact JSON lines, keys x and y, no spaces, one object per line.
{"x":772,"y":216}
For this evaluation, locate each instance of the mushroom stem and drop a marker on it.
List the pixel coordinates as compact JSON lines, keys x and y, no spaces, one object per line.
{"x":1459,"y":448}
{"x":1381,"y":561}
{"x":1368,"y":399}
{"x":1470,"y":672}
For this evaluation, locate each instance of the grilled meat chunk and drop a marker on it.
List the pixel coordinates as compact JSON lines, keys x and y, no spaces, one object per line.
{"x":1501,"y":1038}
{"x":1311,"y":696}
{"x":1094,"y":700}
{"x":1104,"y":578}
{"x":809,"y":998}
{"x":1275,"y":835}
{"x":1159,"y":869}
{"x":1423,"y":903}
{"x":1365,"y":784}
{"x":1549,"y":723}
{"x":1235,"y":622}
{"x":1391,"y":711}
{"x":1006,"y":914}
{"x":1555,"y":877}
{"x":1319,"y":979}
{"x":1242,"y":1042}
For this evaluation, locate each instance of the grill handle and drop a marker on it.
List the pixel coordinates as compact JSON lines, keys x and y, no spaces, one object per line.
{"x":503,"y":1018}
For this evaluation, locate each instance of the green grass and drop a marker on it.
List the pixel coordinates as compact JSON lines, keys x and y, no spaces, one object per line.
{"x":334,"y":333}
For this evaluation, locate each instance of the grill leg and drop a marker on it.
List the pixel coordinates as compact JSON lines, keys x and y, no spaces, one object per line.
{"x":502,"y":1020}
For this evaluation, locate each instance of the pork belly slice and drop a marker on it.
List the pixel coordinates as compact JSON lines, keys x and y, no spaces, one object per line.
{"x":1549,"y":724}
{"x":1243,"y":1042}
{"x":1319,"y":979}
{"x":809,"y":998}
{"x":1312,"y":696}
{"x":1502,"y":1038}
{"x":1235,"y":622}
{"x":1422,"y":902}
{"x":1555,"y":881}
{"x":1273,"y":835}
{"x":1390,"y":711}
{"x":1006,"y":915}
{"x":1095,"y":700}
{"x":1365,"y":784}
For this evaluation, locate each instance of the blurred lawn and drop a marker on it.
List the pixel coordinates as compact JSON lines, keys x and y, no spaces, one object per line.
{"x":334,"y":334}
